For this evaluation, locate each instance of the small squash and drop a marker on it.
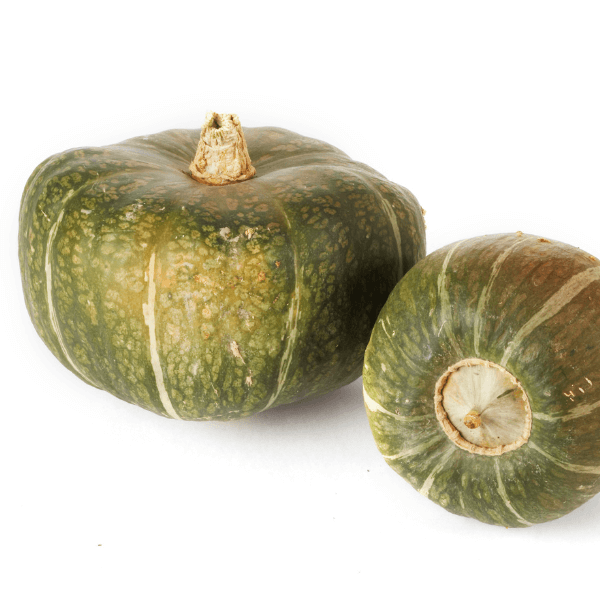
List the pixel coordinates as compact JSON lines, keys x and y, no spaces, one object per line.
{"x":482,"y":378}
{"x":213,"y":274}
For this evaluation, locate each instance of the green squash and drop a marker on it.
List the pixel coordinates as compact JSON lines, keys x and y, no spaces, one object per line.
{"x":200,"y":301}
{"x":482,"y":378}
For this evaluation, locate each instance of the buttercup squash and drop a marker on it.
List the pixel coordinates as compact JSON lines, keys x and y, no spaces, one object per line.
{"x":213,"y":274}
{"x":482,"y":378}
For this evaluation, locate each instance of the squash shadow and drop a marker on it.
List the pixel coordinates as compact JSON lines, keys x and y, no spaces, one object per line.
{"x":340,"y":418}
{"x":335,"y":412}
{"x":341,"y":412}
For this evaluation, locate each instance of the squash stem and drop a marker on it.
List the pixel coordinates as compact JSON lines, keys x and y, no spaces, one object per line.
{"x":222,"y":155}
{"x":472,"y":419}
{"x":482,"y":407}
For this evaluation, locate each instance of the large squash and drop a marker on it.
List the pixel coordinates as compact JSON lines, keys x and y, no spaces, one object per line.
{"x":220,"y":289}
{"x":482,"y":378}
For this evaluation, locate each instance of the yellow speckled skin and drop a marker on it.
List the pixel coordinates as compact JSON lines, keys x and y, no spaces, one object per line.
{"x":200,"y":302}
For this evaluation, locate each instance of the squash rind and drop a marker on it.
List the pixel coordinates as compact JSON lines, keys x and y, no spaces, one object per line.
{"x":525,"y":303}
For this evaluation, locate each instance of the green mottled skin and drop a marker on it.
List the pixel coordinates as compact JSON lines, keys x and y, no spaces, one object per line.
{"x":558,"y":364}
{"x":306,"y":242}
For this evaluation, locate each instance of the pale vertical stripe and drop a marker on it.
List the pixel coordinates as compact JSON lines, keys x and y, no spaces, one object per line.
{"x":504,"y":496}
{"x":553,"y":305}
{"x":430,"y":480}
{"x":485,"y":294}
{"x":581,"y":410}
{"x":549,"y":418}
{"x":401,"y":351}
{"x":384,"y":329}
{"x":409,"y":361}
{"x":391,"y":215}
{"x":51,"y":309}
{"x":149,"y":319}
{"x":376,"y":407}
{"x":567,"y":466}
{"x":414,"y":450}
{"x":292,"y":326}
{"x":445,"y":308}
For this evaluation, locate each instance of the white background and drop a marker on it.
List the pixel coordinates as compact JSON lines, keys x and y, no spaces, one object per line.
{"x":487,"y":111}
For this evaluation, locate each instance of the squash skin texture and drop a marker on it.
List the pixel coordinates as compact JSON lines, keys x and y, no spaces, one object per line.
{"x":212,"y":303}
{"x":528,"y":304}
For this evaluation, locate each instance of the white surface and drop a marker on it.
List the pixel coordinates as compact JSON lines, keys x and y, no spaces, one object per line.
{"x":487,"y":112}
